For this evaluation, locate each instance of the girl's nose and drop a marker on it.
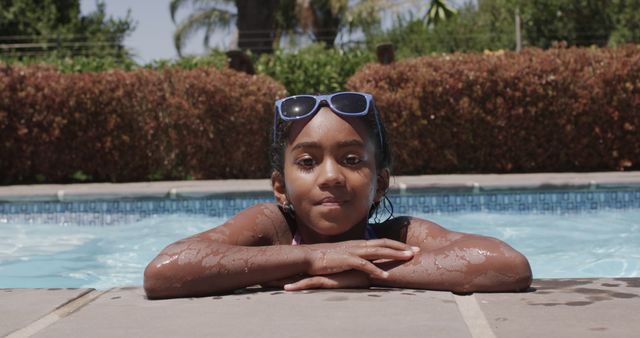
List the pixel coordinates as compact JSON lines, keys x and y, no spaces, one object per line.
{"x":330,"y":174}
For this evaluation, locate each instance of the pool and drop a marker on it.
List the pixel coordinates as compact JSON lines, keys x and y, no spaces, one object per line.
{"x":107,"y":243}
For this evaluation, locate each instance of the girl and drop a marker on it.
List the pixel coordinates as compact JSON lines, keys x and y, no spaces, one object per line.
{"x":331,"y":164}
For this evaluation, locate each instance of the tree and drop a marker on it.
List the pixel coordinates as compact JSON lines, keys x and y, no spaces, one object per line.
{"x":626,"y":18}
{"x":325,"y":19}
{"x":254,"y":19}
{"x":262,"y":24}
{"x":45,"y":27}
{"x":475,"y":26}
{"x":490,"y":24}
{"x":576,"y":22}
{"x":256,"y":25}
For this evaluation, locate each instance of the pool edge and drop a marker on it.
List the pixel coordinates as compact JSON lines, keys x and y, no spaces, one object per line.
{"x":399,"y":184}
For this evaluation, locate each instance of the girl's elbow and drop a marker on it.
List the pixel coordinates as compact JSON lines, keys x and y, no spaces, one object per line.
{"x":521,"y":271}
{"x":509,"y":273}
{"x":155,"y":282}
{"x":513,"y":267}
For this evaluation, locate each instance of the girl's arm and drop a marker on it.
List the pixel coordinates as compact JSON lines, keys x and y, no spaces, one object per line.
{"x":236,"y":254}
{"x":447,"y":260}
{"x":252,"y":248}
{"x":454,"y":261}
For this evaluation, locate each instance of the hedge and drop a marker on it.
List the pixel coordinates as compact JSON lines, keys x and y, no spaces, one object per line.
{"x":559,"y":110}
{"x":133,"y":126}
{"x":535,"y":111}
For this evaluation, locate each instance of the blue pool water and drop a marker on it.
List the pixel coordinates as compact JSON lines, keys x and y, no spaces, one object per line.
{"x":102,"y":244}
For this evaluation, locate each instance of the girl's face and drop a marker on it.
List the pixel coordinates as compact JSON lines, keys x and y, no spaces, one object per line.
{"x":330,"y":174}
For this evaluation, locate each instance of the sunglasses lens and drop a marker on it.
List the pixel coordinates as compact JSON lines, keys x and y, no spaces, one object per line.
{"x":349,"y":103}
{"x":298,"y":106}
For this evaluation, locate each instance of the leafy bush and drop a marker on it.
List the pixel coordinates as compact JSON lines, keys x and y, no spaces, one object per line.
{"x":535,"y":111}
{"x":79,"y":64}
{"x":314,"y":69}
{"x":76,"y":64}
{"x":215,"y":58}
{"x":133,"y":126}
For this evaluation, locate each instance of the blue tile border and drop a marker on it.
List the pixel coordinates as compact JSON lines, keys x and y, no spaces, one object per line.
{"x":111,"y":212}
{"x":518,"y":202}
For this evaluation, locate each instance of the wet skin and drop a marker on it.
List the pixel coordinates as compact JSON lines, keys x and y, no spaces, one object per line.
{"x":331,"y":180}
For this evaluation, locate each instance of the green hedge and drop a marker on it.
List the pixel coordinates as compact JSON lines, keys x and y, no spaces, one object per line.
{"x":75,"y":64}
{"x":536,"y":111}
{"x":314,"y":69}
{"x":133,"y":126}
{"x":331,"y":67}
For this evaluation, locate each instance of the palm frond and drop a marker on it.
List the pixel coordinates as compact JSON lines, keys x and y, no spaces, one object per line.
{"x":207,"y":20}
{"x":175,"y":5}
{"x":438,"y":12}
{"x":207,"y":35}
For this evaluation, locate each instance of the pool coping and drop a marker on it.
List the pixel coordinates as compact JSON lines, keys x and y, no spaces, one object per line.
{"x":595,"y":307}
{"x":399,"y":184}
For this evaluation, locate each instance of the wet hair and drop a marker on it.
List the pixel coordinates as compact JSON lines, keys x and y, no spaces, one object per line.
{"x":382,"y":151}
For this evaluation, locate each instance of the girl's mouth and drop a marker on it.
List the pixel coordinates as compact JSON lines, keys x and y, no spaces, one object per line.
{"x":330,"y":202}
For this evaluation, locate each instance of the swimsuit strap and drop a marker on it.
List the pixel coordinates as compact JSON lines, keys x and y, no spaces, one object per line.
{"x":369,"y":233}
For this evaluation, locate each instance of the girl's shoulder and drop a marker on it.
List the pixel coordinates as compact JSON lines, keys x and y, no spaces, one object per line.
{"x":406,"y":228}
{"x":260,"y":224}
{"x":394,"y":228}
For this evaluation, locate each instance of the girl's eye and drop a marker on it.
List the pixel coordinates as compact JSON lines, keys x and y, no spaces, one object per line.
{"x":352,"y":160}
{"x":306,"y":162}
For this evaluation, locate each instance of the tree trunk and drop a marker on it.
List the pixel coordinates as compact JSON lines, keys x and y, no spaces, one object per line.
{"x":256,"y":25}
{"x":325,"y":26}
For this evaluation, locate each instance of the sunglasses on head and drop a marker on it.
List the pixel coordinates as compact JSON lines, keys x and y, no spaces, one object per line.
{"x":343,"y":103}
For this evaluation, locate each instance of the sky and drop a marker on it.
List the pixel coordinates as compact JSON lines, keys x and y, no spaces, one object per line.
{"x":153,"y":37}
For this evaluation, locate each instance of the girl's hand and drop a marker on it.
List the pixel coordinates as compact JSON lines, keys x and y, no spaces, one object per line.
{"x":340,"y":280}
{"x":332,"y":258}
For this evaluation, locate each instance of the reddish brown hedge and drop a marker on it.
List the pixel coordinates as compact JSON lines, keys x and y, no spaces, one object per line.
{"x":534,"y":111}
{"x":133,"y":126}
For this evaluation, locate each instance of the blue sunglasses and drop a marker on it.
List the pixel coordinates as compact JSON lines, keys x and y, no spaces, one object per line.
{"x":298,"y":107}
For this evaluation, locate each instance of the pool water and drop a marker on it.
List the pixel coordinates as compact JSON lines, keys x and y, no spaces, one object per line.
{"x":602,"y":243}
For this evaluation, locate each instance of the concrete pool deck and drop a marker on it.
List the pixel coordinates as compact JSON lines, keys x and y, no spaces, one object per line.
{"x":552,"y":308}
{"x":602,"y":307}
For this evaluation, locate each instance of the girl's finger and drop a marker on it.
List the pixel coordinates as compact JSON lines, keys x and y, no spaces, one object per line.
{"x":375,"y":253}
{"x":367,"y":267}
{"x":391,"y":244}
{"x":315,"y":282}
